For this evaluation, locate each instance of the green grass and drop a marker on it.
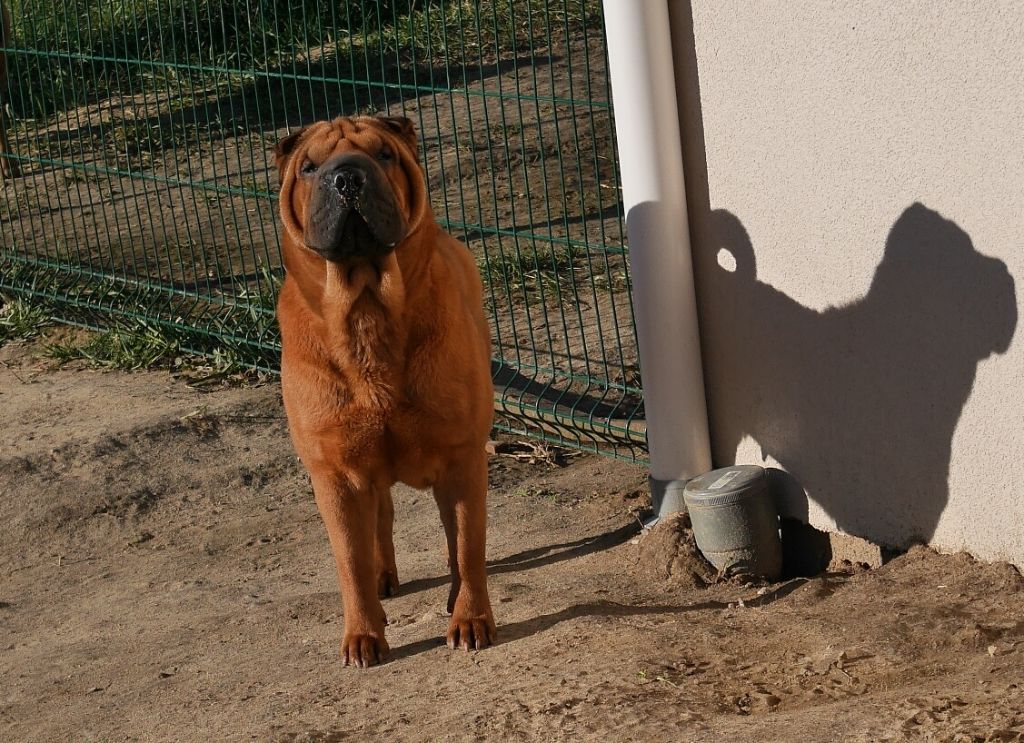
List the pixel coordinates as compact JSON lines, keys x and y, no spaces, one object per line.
{"x":21,"y":320}
{"x":536,"y":492}
{"x":129,"y":349}
{"x":145,"y":325}
{"x":139,"y":345}
{"x":527,"y":273}
{"x":145,"y":345}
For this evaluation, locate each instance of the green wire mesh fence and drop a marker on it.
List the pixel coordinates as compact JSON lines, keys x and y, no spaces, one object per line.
{"x":146,"y":195}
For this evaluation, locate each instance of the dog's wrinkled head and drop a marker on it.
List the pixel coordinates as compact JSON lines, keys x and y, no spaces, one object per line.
{"x":351,"y":188}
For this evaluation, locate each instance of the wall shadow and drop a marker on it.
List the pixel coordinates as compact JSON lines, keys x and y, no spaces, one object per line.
{"x":859,"y":404}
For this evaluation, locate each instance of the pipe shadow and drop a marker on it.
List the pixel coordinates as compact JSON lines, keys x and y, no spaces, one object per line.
{"x":858,"y":403}
{"x":537,"y":557}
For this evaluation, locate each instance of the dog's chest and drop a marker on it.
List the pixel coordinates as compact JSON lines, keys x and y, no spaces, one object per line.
{"x":419,"y":443}
{"x":372,"y":341}
{"x":432,"y":410}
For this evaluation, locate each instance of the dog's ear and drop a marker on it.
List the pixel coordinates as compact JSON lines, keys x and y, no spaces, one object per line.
{"x":401,"y":126}
{"x":283,"y":151}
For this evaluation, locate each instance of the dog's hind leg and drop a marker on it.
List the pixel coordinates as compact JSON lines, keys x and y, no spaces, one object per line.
{"x":350,"y":514}
{"x":461,"y":495}
{"x":387,"y":570}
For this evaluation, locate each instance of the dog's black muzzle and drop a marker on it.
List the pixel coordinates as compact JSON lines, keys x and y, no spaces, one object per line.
{"x":353,"y":210}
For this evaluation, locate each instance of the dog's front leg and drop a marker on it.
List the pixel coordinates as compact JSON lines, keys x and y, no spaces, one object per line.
{"x":461,"y":494}
{"x":350,"y":511}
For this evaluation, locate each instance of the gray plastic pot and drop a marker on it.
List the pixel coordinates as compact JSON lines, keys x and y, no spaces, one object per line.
{"x":735,"y":521}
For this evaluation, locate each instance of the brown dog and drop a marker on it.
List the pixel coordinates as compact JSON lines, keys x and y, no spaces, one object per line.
{"x":385,"y":366}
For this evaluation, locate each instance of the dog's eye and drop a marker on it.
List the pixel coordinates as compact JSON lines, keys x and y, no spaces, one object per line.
{"x":386,"y":155}
{"x":308,"y":168}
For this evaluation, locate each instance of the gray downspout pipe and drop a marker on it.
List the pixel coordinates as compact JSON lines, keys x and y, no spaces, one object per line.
{"x":664,"y":303}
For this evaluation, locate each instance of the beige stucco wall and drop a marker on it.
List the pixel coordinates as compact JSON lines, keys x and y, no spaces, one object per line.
{"x":860,"y":168}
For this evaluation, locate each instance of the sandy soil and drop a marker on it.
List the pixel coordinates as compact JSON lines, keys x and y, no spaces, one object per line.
{"x":166,"y":578}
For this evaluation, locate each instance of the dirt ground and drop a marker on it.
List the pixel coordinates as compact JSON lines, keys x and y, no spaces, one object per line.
{"x":166,"y":578}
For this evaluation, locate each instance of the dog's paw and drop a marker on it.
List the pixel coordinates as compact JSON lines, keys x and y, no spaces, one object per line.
{"x":387,"y":583}
{"x":363,"y":650}
{"x":472,"y":632}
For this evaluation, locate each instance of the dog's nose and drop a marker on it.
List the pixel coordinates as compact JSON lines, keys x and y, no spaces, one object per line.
{"x":349,"y":181}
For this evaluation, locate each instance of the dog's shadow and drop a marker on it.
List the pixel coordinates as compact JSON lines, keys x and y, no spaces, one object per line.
{"x":858,"y":403}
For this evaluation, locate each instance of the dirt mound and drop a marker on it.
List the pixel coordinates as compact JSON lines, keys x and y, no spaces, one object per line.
{"x":668,"y":554}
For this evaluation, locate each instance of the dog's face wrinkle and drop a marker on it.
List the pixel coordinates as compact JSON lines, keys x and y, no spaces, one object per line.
{"x":349,"y":219}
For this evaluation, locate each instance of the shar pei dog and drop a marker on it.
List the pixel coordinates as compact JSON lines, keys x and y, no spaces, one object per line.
{"x":385,"y":366}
